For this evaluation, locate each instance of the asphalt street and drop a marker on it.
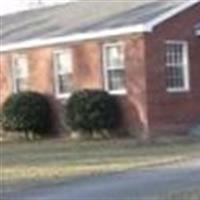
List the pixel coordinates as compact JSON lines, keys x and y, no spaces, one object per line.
{"x":130,"y":185}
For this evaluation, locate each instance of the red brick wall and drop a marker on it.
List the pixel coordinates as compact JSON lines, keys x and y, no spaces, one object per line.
{"x":88,"y":73}
{"x":88,"y":66}
{"x":136,"y":100}
{"x":41,"y":76}
{"x":181,"y":109}
{"x":40,"y":72}
{"x":147,"y":105}
{"x":5,"y":77}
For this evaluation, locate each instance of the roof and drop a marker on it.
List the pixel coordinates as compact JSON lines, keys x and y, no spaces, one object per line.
{"x":77,"y":19}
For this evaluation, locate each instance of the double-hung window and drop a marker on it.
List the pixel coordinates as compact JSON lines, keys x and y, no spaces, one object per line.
{"x":63,"y":72}
{"x":114,"y":69}
{"x":177,"y":66}
{"x":20,"y":72}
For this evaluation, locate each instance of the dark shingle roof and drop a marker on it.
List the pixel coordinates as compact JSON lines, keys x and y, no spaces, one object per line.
{"x":80,"y":17}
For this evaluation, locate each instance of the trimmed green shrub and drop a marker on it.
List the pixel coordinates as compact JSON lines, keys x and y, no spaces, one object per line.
{"x":27,"y":112}
{"x":92,"y":111}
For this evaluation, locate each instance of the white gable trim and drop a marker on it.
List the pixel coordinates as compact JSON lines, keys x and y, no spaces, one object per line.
{"x":147,"y":27}
{"x":162,"y":18}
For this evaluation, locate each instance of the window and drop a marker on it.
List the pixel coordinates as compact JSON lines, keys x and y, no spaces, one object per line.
{"x":20,"y":72}
{"x":63,"y":72}
{"x":114,"y":68}
{"x":177,"y":66}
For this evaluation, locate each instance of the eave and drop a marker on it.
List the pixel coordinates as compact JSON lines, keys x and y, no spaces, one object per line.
{"x":140,"y":28}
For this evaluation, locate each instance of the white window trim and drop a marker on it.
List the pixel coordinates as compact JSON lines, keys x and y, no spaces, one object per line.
{"x":14,"y":87}
{"x":13,"y":58}
{"x":56,"y":83}
{"x":105,"y":68}
{"x":186,"y":78}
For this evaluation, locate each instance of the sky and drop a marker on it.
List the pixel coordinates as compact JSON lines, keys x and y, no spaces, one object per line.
{"x":10,"y":6}
{"x":7,"y":6}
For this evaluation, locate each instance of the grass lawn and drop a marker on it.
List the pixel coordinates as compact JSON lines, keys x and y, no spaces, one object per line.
{"x":27,"y":163}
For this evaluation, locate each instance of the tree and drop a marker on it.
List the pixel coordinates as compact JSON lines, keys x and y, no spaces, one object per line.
{"x":27,"y":112}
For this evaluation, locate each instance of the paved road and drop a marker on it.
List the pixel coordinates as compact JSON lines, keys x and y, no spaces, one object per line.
{"x":130,"y":185}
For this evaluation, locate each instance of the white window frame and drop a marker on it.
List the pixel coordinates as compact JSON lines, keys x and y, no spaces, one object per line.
{"x":186,"y":71}
{"x":106,"y":68}
{"x":13,"y":66}
{"x":56,"y":81}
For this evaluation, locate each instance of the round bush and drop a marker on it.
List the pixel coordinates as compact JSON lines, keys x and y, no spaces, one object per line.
{"x":92,"y":110}
{"x":27,"y":112}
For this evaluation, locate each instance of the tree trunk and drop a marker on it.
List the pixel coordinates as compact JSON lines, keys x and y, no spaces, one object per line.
{"x":27,"y":135}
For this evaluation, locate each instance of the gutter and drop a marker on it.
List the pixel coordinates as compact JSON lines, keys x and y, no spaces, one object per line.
{"x":140,"y":28}
{"x":75,"y":37}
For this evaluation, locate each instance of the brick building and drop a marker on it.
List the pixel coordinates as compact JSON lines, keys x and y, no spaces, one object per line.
{"x":147,"y":53}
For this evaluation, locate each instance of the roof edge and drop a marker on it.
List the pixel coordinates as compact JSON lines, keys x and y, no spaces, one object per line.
{"x":148,"y":27}
{"x":164,"y":17}
{"x":75,"y":37}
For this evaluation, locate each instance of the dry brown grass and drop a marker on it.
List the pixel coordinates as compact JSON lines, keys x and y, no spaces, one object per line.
{"x":26,"y":163}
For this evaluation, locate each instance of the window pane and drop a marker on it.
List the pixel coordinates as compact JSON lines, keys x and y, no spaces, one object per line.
{"x":114,"y":56}
{"x":116,"y":80}
{"x":175,"y":63}
{"x":63,"y":65}
{"x":64,"y":62}
{"x":21,"y":67}
{"x":174,"y":54}
{"x":20,"y":73}
{"x":21,"y":85}
{"x":65,"y":83}
{"x":175,"y":77}
{"x":114,"y":66}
